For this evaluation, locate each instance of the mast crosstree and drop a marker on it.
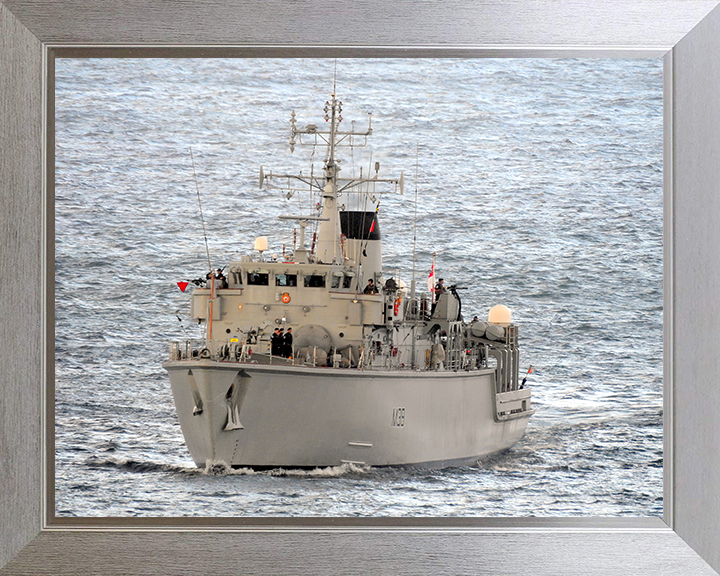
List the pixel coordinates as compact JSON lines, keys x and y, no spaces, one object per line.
{"x":330,"y":184}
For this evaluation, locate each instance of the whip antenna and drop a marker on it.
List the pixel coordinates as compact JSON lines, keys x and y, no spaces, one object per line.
{"x":417,"y":156}
{"x":197,"y":189}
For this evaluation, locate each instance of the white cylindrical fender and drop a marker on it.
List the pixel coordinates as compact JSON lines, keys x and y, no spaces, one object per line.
{"x":478,"y":328}
{"x":494,"y":332}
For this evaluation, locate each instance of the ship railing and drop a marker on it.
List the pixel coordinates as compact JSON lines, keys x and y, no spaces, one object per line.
{"x":185,"y":349}
{"x":455,"y":356}
{"x":506,"y":363}
{"x":418,"y":309}
{"x":505,"y":355}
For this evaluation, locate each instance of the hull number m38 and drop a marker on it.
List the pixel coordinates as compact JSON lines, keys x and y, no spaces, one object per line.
{"x":398,"y":417}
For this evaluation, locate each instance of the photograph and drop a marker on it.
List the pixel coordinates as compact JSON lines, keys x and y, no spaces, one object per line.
{"x":358,"y":287}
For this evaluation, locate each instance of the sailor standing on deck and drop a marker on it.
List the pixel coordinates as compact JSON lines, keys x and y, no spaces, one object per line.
{"x":370,"y":288}
{"x":439,"y":289}
{"x":276,"y":341}
{"x":220,"y":279}
{"x":287,"y":344}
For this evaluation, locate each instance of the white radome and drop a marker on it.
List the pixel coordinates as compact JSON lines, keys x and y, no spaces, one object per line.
{"x":261,"y":244}
{"x":501,"y":315}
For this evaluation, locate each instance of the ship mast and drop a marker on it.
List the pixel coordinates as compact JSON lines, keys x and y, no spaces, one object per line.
{"x":328,"y":241}
{"x":328,"y":247}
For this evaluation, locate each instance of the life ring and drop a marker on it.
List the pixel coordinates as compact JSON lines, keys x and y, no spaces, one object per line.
{"x":285,"y":297}
{"x":204,"y":353}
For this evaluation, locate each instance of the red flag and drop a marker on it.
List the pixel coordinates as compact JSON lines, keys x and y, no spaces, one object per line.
{"x":372,"y":226}
{"x":431,"y":278}
{"x":182,"y":285}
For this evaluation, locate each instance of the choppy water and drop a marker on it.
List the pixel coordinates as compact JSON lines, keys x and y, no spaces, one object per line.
{"x":540,"y":187}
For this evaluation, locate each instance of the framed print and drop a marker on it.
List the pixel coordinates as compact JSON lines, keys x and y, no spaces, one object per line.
{"x":684,"y":33}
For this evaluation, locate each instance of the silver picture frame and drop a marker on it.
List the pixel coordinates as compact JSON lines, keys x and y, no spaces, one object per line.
{"x":685,"y":33}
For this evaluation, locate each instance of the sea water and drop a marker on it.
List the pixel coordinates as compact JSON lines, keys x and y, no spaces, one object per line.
{"x":538,"y":185}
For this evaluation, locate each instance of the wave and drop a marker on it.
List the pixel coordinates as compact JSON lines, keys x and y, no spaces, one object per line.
{"x":221,"y":468}
{"x":133,"y":465}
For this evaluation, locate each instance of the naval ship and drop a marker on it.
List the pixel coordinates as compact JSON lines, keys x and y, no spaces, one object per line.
{"x":376,"y":373}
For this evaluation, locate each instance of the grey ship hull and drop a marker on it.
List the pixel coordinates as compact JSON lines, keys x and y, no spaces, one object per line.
{"x":298,"y":416}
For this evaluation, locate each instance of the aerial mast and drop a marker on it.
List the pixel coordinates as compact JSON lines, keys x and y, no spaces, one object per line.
{"x":327,"y":247}
{"x":328,"y":242}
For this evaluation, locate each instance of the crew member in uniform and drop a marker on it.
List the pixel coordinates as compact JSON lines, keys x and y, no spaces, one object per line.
{"x":223,"y":283}
{"x":439,"y":289}
{"x":276,"y":343}
{"x":287,"y":343}
{"x":370,"y":288}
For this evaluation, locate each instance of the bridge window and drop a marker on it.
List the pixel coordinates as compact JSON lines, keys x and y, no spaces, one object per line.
{"x":285,"y":279}
{"x":258,"y":279}
{"x":315,"y":281}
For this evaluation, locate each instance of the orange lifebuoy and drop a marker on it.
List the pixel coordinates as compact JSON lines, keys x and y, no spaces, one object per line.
{"x":286,"y":297}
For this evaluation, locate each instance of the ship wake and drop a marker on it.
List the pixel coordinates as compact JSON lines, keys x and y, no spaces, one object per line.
{"x":221,"y":468}
{"x":142,"y":466}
